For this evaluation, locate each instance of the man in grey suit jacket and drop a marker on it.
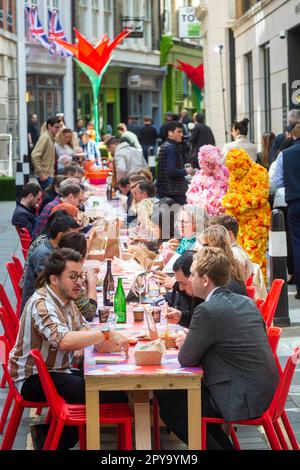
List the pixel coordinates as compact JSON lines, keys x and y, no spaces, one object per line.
{"x":227,"y":338}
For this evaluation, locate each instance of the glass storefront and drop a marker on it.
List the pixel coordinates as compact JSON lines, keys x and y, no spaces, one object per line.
{"x":44,"y":96}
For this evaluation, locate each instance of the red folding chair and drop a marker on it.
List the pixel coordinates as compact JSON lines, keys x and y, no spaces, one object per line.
{"x":274,"y":334}
{"x":15,"y":280}
{"x":13,"y":396}
{"x":23,"y":232}
{"x":12,"y":315}
{"x":7,"y":332}
{"x":63,"y":414}
{"x":268,"y":308}
{"x":18,"y":265}
{"x":270,"y":419}
{"x":251,"y":292}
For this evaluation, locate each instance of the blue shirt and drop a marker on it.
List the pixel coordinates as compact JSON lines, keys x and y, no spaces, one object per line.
{"x":279,"y":178}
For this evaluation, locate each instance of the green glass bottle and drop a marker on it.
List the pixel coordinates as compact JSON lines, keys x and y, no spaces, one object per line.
{"x":120,"y":303}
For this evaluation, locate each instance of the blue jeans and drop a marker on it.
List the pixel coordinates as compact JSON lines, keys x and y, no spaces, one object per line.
{"x":44,"y":184}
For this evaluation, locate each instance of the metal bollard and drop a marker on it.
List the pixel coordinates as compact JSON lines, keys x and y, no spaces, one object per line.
{"x":26,"y":169}
{"x":278,"y":265}
{"x":19,"y":180}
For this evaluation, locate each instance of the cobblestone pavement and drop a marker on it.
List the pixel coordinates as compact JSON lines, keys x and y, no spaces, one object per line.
{"x":250,"y":438}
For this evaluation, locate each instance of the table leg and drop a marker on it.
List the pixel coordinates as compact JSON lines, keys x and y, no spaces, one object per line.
{"x":92,"y":420}
{"x":142,"y":420}
{"x":194,"y":419}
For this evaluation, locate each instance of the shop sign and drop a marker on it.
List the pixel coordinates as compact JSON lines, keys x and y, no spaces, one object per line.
{"x":189,"y":26}
{"x":135,"y":25}
{"x":141,"y":82}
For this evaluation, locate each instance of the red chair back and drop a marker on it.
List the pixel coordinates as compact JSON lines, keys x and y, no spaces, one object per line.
{"x":249,"y":281}
{"x":23,"y":232}
{"x":25,"y":252}
{"x":18,"y":265}
{"x":251,"y":292}
{"x":268,"y":309}
{"x":274,"y":334}
{"x":277,"y":406}
{"x":4,"y":354}
{"x":55,"y":401}
{"x":10,"y":330}
{"x":5,"y":302}
{"x":259,"y":303}
{"x":15,"y":279}
{"x":25,"y":243}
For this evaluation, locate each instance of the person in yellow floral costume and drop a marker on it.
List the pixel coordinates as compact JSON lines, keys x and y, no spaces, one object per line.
{"x":247,"y":200}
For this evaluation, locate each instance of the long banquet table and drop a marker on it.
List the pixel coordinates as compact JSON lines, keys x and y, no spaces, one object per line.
{"x":126,"y":376}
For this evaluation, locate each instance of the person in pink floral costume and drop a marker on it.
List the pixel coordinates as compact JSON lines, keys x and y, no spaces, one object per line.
{"x":210,"y":183}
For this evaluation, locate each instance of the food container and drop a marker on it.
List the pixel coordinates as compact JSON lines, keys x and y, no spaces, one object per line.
{"x":150,"y":354}
{"x":170,"y":342}
{"x":147,"y":358}
{"x":138,"y":314}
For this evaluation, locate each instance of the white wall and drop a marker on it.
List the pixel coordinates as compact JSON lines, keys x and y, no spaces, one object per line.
{"x":260,"y":26}
{"x":215,"y":28}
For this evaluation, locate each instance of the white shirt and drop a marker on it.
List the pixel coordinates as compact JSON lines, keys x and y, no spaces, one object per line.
{"x":211,"y":294}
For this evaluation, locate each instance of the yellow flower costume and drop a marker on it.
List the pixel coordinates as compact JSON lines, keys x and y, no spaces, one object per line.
{"x":247,"y":200}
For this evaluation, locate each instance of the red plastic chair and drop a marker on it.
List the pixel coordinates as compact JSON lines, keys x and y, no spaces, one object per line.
{"x":63,"y":414}
{"x":12,"y":315}
{"x":15,"y":280}
{"x":249,"y":281}
{"x":18,"y":265}
{"x":251,"y":292}
{"x":25,"y":242}
{"x":259,"y":302}
{"x":268,"y":308}
{"x":274,"y":334}
{"x":270,"y":419}
{"x":13,"y":396}
{"x":23,"y":232}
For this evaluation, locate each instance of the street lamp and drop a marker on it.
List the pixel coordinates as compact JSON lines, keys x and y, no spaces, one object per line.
{"x":219,"y":50}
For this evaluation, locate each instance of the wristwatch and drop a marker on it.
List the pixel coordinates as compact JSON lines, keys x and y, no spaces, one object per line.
{"x":106,"y":330}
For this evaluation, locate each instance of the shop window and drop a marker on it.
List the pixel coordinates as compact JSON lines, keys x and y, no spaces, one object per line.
{"x":95,"y":20}
{"x":108,"y":18}
{"x":2,"y":14}
{"x":53,"y":5}
{"x":10,"y":22}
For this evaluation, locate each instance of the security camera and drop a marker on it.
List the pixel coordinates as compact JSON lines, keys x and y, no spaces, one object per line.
{"x":282,"y":34}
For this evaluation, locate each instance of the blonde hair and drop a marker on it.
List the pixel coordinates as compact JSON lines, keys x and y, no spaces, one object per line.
{"x":60,"y":138}
{"x":217,"y":236}
{"x":198,"y":217}
{"x":147,"y":173}
{"x":213,"y":263}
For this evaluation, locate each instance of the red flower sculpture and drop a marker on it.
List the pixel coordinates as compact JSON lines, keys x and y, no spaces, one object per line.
{"x":195,"y":74}
{"x":94,"y":61}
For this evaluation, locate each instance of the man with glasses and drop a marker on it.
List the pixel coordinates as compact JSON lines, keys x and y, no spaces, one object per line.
{"x":52,"y":323}
{"x":43,"y":155}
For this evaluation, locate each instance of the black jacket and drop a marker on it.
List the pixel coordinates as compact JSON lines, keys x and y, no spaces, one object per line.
{"x":184,"y":303}
{"x":291,"y":170}
{"x":171,"y":172}
{"x":24,"y":218}
{"x":201,"y":135}
{"x":148,"y":135}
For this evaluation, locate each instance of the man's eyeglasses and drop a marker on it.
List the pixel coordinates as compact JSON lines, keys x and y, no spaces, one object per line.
{"x":75,"y":277}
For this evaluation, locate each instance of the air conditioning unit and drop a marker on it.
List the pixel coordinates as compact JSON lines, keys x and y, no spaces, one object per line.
{"x":201,"y":11}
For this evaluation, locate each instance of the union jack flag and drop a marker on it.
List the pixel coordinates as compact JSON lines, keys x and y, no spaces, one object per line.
{"x":56,"y":32}
{"x":37,"y":29}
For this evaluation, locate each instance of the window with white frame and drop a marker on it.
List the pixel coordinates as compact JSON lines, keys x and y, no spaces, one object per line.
{"x":140,"y":9}
{"x":53,"y":5}
{"x":108,"y":17}
{"x":83,"y":13}
{"x":95,"y":19}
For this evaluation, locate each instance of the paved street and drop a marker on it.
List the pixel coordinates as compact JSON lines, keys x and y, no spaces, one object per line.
{"x":249,"y":438}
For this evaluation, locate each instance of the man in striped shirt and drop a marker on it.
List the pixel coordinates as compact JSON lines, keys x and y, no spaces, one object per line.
{"x":52,"y":323}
